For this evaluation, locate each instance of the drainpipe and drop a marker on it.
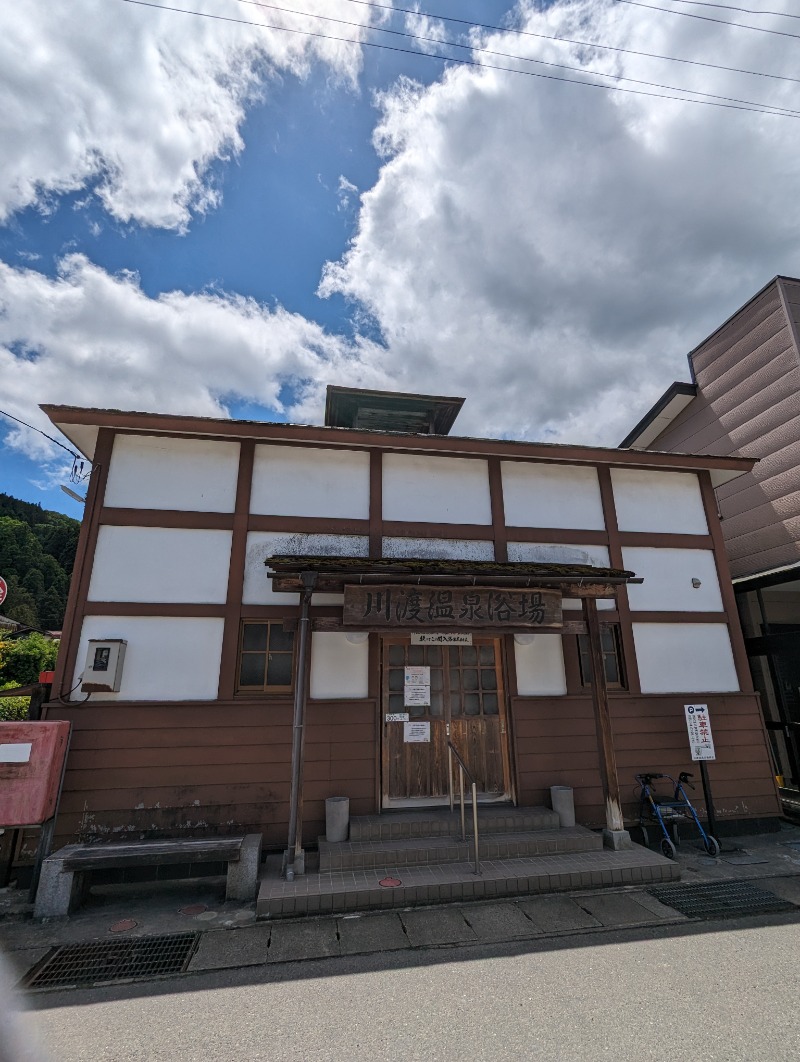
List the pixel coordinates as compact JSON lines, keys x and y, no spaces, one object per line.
{"x":294,"y":856}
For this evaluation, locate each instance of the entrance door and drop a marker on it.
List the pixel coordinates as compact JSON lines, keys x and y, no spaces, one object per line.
{"x":467,"y":694}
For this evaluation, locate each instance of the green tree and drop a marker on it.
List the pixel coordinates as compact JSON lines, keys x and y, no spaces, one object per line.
{"x":37,"y":554}
{"x":13,"y":709}
{"x":23,"y":659}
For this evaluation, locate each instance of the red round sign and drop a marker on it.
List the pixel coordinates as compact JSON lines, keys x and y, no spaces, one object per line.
{"x":3,"y":590}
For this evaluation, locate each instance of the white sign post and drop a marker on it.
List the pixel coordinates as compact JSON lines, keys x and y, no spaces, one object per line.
{"x":698,"y":724}
{"x":701,"y":743}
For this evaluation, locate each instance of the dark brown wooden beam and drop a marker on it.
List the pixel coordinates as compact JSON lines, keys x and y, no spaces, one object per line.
{"x":602,"y":718}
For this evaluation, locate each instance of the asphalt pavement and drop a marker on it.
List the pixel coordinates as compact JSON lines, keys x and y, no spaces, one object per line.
{"x":711,"y":991}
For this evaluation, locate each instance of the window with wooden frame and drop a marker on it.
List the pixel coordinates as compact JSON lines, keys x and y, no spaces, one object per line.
{"x":266,"y":658}
{"x":611,"y":642}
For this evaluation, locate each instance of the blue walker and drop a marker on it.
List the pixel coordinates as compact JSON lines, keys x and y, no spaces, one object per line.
{"x":669,"y":811}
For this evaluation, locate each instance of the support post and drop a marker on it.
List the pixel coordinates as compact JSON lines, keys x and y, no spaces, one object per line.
{"x":709,"y":799}
{"x":295,"y":861}
{"x":615,"y":835}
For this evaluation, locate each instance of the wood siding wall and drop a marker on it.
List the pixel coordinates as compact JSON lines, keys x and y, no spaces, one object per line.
{"x":202,"y":768}
{"x":748,"y":402}
{"x":556,"y":745}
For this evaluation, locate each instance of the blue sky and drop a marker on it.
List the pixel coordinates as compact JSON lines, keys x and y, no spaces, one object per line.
{"x":548,"y":251}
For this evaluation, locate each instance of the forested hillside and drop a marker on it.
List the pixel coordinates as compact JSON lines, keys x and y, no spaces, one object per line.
{"x":37,"y":551}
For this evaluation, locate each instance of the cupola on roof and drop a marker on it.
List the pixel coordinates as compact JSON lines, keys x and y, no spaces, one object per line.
{"x":353,"y":407}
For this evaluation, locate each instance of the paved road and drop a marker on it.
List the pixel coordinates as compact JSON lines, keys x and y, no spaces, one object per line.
{"x":720,"y":992}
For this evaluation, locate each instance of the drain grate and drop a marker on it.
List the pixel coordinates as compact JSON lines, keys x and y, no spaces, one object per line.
{"x":106,"y":961}
{"x":719,"y":899}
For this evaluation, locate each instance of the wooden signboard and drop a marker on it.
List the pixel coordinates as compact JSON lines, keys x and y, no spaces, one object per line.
{"x":480,"y":607}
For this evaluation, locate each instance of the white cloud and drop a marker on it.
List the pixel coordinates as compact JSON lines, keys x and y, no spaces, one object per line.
{"x":88,"y":338}
{"x":549,"y":251}
{"x":553,"y":251}
{"x":138,"y":103}
{"x":430,"y":32}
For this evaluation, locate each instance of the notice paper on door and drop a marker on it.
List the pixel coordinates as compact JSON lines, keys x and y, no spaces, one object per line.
{"x":417,"y":676}
{"x":416,"y":695}
{"x":416,"y":732}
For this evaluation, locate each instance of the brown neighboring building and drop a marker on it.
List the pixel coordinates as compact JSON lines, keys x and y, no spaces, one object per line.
{"x":744,"y":397}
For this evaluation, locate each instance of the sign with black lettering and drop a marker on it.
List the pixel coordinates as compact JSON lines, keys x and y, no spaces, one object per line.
{"x":482,"y":608}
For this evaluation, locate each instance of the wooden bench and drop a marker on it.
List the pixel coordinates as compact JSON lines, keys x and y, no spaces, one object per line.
{"x":64,"y":874}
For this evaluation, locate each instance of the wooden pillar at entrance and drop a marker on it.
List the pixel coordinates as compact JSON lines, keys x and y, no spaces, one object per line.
{"x":615,"y":834}
{"x":295,"y":859}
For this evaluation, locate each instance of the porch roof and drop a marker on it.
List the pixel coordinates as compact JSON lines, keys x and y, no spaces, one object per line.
{"x":334,"y":572}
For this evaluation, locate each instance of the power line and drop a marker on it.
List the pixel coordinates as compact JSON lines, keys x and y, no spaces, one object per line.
{"x":571,"y":40}
{"x":50,"y":437}
{"x":755,"y":109}
{"x":522,"y":58}
{"x":742,"y":10}
{"x":709,"y":18}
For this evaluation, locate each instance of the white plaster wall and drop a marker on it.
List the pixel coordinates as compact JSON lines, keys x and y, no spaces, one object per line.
{"x":438,"y":548}
{"x":668,"y":575}
{"x":152,"y":472}
{"x":160,"y":564}
{"x":540,"y":666}
{"x":541,"y":495}
{"x":262,"y":544}
{"x":167,"y":658}
{"x":438,"y":490}
{"x":310,"y":481}
{"x":552,"y":553}
{"x":339,"y":670}
{"x":690,"y":658}
{"x":648,"y":500}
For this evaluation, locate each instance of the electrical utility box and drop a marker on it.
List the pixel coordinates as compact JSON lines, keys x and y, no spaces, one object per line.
{"x":103,"y":670}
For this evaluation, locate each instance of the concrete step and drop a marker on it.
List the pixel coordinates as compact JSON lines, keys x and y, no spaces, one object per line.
{"x":360,"y":890}
{"x":422,"y":851}
{"x":441,"y":822}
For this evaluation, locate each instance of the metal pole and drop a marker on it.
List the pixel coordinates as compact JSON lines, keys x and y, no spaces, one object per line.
{"x":298,"y":722}
{"x":475,"y":826}
{"x":450,"y":775}
{"x":461,"y":792}
{"x":709,"y":799}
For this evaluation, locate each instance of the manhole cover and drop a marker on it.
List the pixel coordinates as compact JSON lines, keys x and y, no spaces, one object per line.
{"x":719,"y":899}
{"x":124,"y":926}
{"x":390,"y":883}
{"x":104,"y":961}
{"x":193,"y":909}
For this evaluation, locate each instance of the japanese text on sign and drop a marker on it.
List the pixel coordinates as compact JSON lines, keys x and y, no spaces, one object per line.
{"x":440,"y":638}
{"x":698,"y":724}
{"x":419,"y":696}
{"x":417,"y":676}
{"x":460,"y":606}
{"x":416,"y":732}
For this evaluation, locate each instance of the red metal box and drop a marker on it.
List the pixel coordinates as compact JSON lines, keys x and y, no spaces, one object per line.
{"x":31,"y":758}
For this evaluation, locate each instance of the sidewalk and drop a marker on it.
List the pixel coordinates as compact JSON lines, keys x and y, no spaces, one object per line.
{"x":230,"y":937}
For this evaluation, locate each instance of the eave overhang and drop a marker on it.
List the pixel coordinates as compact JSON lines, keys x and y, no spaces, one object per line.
{"x":334,"y":573}
{"x":674,"y":400}
{"x":80,"y":426}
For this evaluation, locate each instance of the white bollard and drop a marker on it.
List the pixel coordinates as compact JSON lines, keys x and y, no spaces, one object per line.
{"x":563,"y":803}
{"x":337,"y":819}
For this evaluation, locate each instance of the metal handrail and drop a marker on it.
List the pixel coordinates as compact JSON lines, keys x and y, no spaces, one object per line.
{"x":464,"y":770}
